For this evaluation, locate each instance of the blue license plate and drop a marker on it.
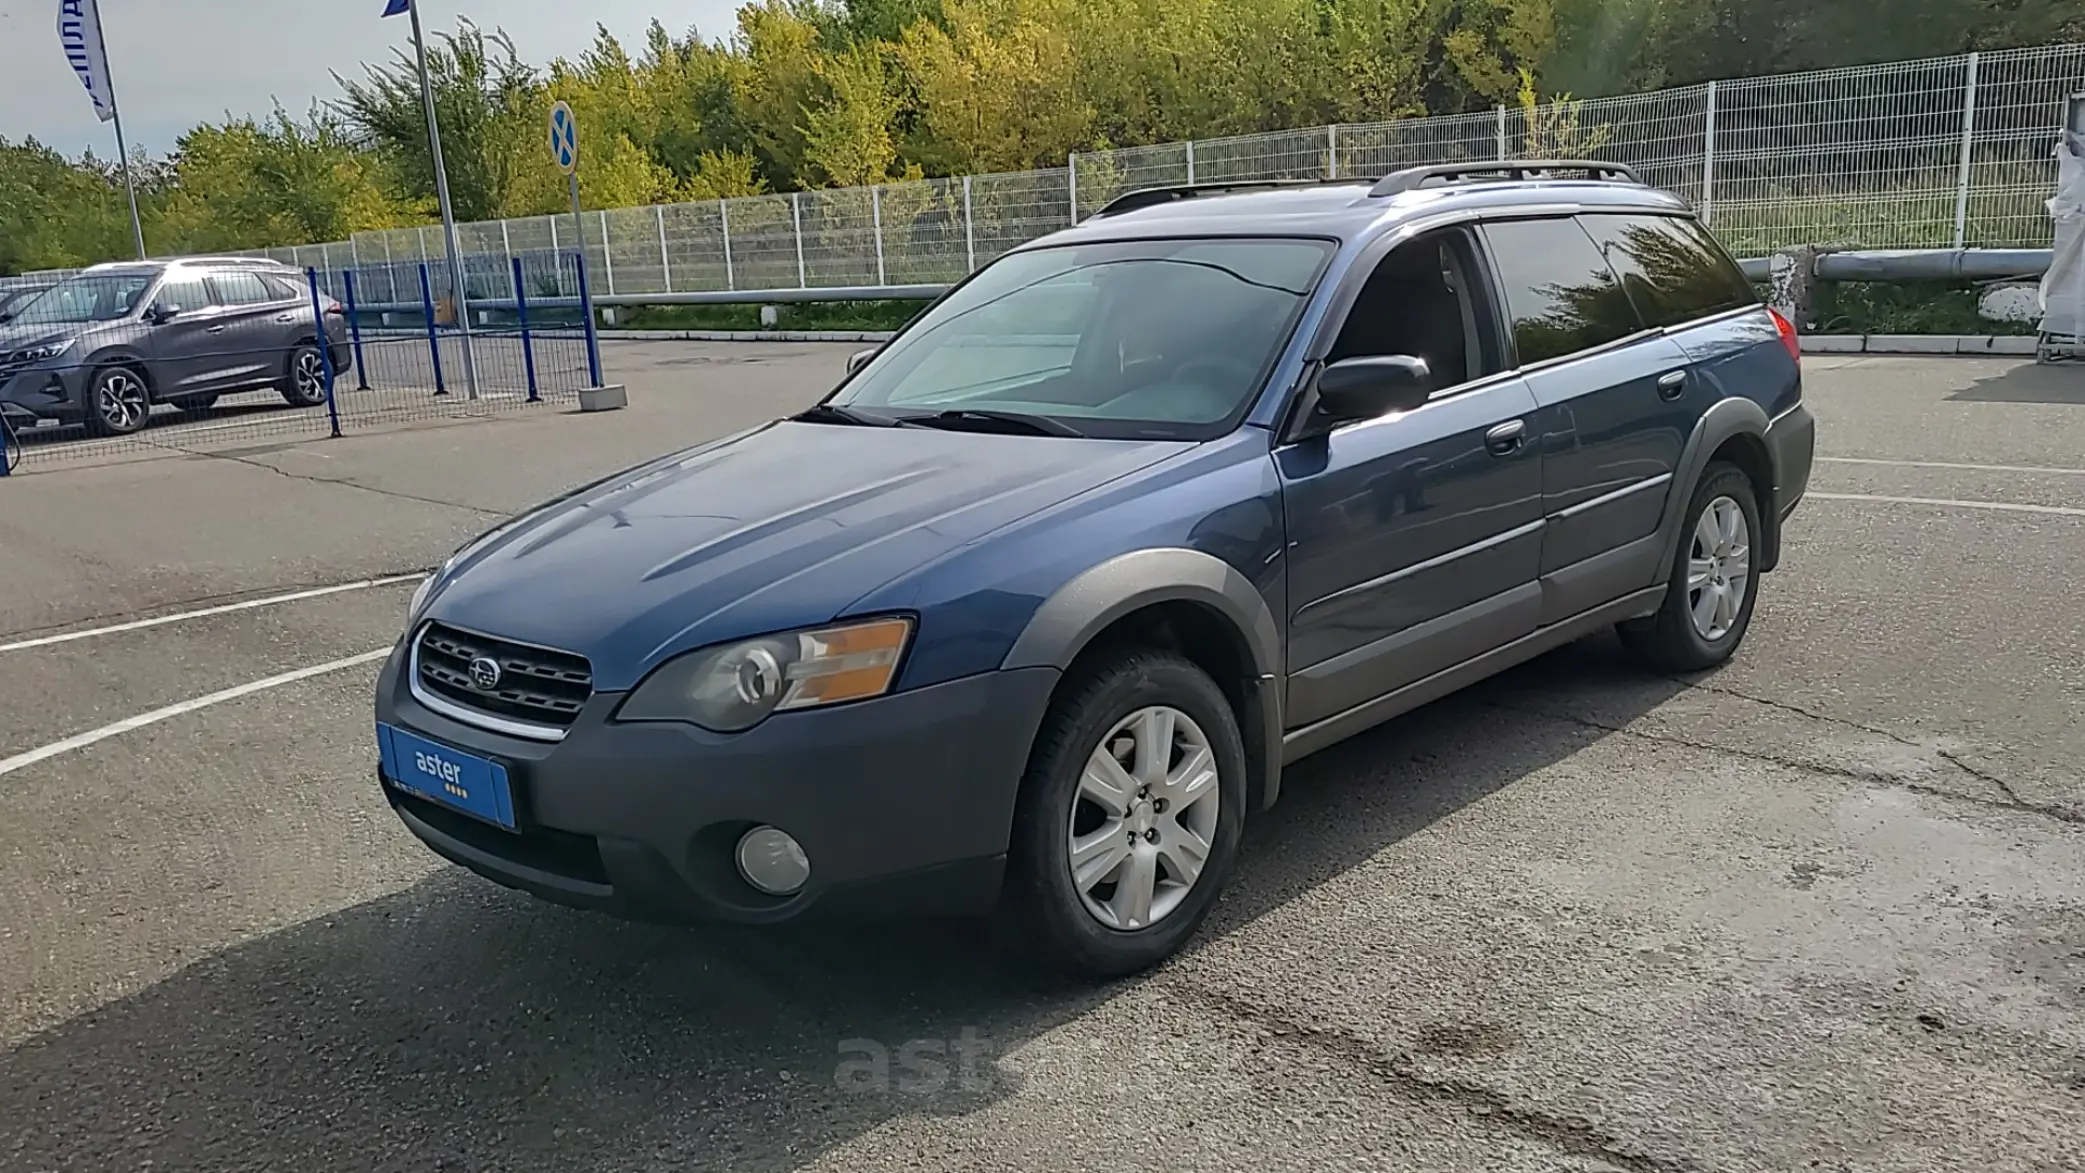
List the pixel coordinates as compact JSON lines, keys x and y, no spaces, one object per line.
{"x":451,"y":777}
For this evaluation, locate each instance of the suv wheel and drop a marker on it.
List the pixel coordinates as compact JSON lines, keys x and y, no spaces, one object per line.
{"x":118,"y":403}
{"x":1129,"y":817}
{"x":304,"y":384}
{"x":1708,"y":607}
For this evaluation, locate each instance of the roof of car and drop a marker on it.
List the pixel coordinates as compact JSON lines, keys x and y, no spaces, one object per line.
{"x":1347,"y":209}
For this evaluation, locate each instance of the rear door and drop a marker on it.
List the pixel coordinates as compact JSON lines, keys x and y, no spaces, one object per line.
{"x":258,"y":324}
{"x":1682,"y":281}
{"x":1615,"y":411}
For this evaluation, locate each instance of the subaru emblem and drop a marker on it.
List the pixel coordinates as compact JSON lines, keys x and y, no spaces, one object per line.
{"x":485,"y":673}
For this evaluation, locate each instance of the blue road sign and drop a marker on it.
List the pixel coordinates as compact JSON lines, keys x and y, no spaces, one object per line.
{"x":564,"y":138}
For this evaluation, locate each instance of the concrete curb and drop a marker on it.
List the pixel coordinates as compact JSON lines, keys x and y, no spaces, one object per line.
{"x":1921,"y":344}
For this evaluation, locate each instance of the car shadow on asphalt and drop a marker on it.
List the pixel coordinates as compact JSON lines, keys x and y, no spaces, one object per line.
{"x":2055,"y":383}
{"x":457,"y":1025}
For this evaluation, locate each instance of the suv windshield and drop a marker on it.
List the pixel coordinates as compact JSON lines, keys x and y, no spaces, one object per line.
{"x":87,"y":299}
{"x":1166,"y":339}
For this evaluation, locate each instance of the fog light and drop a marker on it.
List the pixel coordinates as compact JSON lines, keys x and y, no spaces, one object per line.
{"x":772,"y":861}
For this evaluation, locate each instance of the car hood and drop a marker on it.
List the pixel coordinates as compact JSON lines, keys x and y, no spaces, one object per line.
{"x":780,"y":527}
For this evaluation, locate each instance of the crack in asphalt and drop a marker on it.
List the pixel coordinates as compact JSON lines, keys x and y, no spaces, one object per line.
{"x":348,"y":484}
{"x":2001,"y":785}
{"x":1572,"y":1135}
{"x":2011,"y":802}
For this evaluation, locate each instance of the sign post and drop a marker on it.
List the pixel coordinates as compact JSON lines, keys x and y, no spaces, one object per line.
{"x":459,"y":295}
{"x":564,"y":151}
{"x":79,"y":30}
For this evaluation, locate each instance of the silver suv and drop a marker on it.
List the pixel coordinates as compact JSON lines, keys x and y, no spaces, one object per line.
{"x":105,"y":346}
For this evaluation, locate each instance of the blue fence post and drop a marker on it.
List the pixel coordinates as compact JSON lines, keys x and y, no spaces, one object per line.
{"x":593,"y":337}
{"x":325,"y":343}
{"x":434,"y":341}
{"x":10,"y":447}
{"x":354,"y":325}
{"x":528,"y":345}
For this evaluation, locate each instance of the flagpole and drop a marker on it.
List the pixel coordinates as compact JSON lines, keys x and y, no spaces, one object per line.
{"x":441,"y":191}
{"x":137,"y":225}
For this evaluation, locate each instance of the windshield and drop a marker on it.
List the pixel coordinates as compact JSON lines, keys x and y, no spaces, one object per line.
{"x":86,"y":299}
{"x":1168,"y":339}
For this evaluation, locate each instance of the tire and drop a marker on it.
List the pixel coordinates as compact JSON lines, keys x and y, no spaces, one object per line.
{"x":119,"y":403}
{"x":1691,"y":632}
{"x":304,"y":376}
{"x":1096,"y":931}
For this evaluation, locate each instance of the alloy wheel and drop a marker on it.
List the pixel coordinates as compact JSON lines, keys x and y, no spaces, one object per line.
{"x":122,"y":402}
{"x":1144,"y":818}
{"x":1719,"y":569}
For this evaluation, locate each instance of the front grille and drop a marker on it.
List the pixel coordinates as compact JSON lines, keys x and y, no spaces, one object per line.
{"x":537,"y":685}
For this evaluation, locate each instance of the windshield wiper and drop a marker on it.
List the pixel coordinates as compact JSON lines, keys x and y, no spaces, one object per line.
{"x":1012,"y":422}
{"x":834,"y":413}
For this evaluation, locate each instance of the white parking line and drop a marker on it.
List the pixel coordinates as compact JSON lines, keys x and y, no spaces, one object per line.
{"x":2029,"y":468}
{"x":226,"y":609}
{"x":1947,"y":503}
{"x":82,"y":740}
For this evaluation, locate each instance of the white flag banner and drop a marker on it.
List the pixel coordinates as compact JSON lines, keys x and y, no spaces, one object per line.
{"x":79,"y":30}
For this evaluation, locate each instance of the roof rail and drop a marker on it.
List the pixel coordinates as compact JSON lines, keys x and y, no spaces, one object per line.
{"x":1152,"y":196}
{"x":1511,"y":170}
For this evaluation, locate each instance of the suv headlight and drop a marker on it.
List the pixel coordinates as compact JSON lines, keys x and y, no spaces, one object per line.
{"x":733,"y":687}
{"x":44,"y":352}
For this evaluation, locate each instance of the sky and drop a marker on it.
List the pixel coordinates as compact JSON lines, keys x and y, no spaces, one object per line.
{"x":179,"y":62}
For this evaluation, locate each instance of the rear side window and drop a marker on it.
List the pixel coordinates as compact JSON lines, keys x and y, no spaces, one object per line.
{"x":240,"y":289}
{"x":282,"y":288}
{"x":1560,"y":294}
{"x":1674,"y":270}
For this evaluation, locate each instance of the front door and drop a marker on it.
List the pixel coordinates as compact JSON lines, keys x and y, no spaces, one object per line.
{"x":1415,"y":539}
{"x":185,"y":351}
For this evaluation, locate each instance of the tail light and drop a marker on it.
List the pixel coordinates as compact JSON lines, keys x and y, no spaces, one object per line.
{"x":1789,"y":338}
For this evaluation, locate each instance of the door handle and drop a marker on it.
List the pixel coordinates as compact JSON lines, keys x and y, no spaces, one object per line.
{"x":1507,"y":438}
{"x":1672,"y":384}
{"x":215,"y":330}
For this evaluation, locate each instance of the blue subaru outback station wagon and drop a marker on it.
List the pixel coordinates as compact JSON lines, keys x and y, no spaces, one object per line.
{"x":1028,"y":615}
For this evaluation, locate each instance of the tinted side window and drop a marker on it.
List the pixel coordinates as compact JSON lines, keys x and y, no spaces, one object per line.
{"x":240,"y":289}
{"x":1560,"y":294}
{"x":1674,"y":270}
{"x":282,"y":288}
{"x":185,"y":295}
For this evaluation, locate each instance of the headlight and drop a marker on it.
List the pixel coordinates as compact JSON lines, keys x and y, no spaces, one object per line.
{"x":736,"y":686}
{"x":45,"y":352}
{"x":420,"y":593}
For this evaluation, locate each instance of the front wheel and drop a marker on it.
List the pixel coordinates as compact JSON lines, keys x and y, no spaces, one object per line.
{"x":1129,"y":818}
{"x":118,"y":403}
{"x":1708,"y":604}
{"x":305,"y":383}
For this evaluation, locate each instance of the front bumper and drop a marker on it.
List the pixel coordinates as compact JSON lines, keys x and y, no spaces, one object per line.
{"x":904,"y":804}
{"x":35,"y":393}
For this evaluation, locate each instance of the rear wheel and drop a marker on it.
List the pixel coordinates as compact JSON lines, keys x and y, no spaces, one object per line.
{"x":118,"y":402}
{"x":1708,"y":604}
{"x":304,"y":384}
{"x":1129,"y":818}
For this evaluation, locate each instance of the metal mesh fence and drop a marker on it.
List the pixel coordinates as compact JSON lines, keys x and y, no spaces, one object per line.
{"x":1946,"y":152}
{"x":212,"y":358}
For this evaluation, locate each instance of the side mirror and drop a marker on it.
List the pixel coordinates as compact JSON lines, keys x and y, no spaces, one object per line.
{"x":160,"y":315}
{"x":859,"y":359}
{"x":1364,"y":388}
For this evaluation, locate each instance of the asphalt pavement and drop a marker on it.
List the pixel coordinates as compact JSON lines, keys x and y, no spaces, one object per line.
{"x":1823,"y":909}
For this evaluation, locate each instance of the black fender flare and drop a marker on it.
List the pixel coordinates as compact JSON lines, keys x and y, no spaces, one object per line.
{"x":1734,"y":416}
{"x":1082,"y":608}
